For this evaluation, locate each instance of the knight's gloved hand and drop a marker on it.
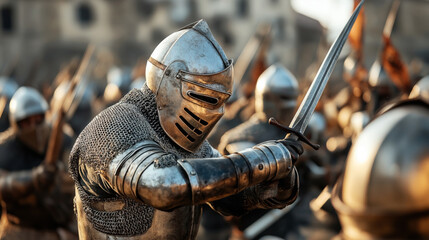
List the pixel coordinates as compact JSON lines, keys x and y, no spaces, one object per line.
{"x":276,"y":194}
{"x":295,"y":148}
{"x":44,"y":175}
{"x":288,"y":187}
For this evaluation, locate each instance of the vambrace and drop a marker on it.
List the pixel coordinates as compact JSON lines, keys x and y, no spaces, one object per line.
{"x":147,"y":173}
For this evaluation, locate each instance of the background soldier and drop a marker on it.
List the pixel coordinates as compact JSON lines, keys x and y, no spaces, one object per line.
{"x":275,"y":96}
{"x":34,"y":200}
{"x":142,"y":167}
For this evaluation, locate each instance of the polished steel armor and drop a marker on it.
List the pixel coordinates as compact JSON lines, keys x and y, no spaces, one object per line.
{"x":421,"y":89}
{"x":276,"y":93}
{"x":192,"y":78}
{"x":384,"y":190}
{"x":133,"y":174}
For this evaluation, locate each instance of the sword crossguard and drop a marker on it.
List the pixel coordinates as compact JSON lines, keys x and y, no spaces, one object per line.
{"x":299,"y":135}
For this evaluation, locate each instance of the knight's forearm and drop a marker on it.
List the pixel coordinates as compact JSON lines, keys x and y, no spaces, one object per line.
{"x":138,"y":174}
{"x":212,"y":179}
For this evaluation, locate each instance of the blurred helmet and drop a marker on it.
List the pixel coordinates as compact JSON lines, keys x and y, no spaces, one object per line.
{"x":276,"y":93}
{"x":26,"y":103}
{"x":384,"y":191}
{"x":421,"y":89}
{"x":118,"y":83}
{"x":138,"y":83}
{"x":191,"y":78}
{"x":7,"y":87}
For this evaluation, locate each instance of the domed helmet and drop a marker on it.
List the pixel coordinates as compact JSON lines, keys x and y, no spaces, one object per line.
{"x":118,"y":83}
{"x":421,"y":89}
{"x":191,"y":78}
{"x":384,"y":191}
{"x":276,"y":93}
{"x":25,"y":103}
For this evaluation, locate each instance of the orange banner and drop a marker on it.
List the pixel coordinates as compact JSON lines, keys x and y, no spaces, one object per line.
{"x":394,"y":67}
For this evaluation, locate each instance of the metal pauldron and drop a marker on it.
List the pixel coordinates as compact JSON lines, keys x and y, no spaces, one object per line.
{"x":126,"y":169}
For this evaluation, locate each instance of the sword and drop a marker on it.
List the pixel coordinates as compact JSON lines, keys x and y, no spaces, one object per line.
{"x":305,"y":111}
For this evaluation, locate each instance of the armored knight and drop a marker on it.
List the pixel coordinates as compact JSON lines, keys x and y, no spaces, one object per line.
{"x":142,"y":167}
{"x":383,"y":193}
{"x":34,"y":199}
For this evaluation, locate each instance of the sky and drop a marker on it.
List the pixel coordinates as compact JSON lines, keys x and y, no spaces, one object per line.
{"x":332,"y":14}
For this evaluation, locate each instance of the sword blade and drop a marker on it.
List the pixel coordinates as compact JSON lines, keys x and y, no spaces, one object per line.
{"x":308,"y":104}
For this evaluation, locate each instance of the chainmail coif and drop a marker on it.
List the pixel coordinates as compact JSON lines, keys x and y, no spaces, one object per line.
{"x":116,"y":129}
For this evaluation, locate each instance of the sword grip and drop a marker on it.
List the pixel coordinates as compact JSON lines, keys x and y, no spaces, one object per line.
{"x":293,"y":134}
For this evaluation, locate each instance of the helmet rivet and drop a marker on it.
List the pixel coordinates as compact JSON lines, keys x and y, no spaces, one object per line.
{"x":260,"y":166}
{"x":167,"y":72}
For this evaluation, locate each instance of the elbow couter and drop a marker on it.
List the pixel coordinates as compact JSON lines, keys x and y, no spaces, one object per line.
{"x":163,"y":188}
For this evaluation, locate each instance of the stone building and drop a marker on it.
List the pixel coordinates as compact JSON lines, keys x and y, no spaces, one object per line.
{"x":38,"y":37}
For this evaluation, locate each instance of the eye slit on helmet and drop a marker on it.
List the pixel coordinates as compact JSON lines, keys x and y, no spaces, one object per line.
{"x":202,"y":97}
